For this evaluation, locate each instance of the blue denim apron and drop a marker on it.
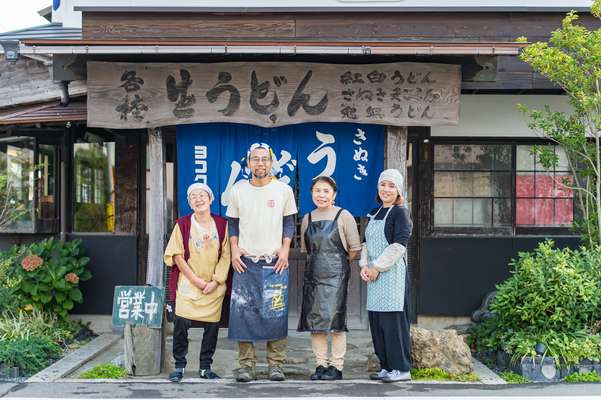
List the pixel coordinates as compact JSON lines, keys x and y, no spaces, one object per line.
{"x":387,"y":293}
{"x":259,"y":303}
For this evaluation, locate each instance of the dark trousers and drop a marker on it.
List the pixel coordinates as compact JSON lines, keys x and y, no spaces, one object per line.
{"x":180,"y":341}
{"x":390,"y":333}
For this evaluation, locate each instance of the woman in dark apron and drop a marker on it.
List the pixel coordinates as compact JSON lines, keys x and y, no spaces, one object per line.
{"x":330,"y":237}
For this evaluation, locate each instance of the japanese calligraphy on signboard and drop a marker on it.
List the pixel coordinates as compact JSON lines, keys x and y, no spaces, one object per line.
{"x":138,"y":305}
{"x":269,"y":94}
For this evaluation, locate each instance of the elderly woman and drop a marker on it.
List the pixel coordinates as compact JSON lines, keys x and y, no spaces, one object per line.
{"x":329,"y":235}
{"x":383,"y":268}
{"x":200,"y":253}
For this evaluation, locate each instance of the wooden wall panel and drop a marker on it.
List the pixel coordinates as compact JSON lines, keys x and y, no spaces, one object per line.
{"x":185,"y":26}
{"x":324,"y":26}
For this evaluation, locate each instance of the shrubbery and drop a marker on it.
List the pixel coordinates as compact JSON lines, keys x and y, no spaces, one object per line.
{"x":46,"y":275}
{"x":39,"y":284}
{"x":553,"y":298}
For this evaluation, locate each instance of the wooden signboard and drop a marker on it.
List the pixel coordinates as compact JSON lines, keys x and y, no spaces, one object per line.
{"x":138,"y":305}
{"x":269,"y":94}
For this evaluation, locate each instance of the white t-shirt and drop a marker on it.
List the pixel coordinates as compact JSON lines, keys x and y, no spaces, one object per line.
{"x":261,"y":210}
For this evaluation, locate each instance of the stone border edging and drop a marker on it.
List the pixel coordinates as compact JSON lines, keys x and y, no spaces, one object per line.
{"x":486,"y":375}
{"x":74,"y":360}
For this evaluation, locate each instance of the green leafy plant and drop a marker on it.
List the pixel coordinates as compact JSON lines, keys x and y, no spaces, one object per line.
{"x":588,"y":377}
{"x":46,"y":275}
{"x":513,"y":378}
{"x":437,"y":374}
{"x":551,"y":298}
{"x":30,"y":355}
{"x":105,"y":371}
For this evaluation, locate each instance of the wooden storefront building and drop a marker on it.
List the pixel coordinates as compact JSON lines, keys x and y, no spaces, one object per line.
{"x":476,"y":196}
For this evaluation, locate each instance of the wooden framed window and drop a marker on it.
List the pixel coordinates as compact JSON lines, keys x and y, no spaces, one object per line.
{"x":472,"y":186}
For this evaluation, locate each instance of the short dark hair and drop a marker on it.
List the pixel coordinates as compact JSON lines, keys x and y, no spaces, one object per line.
{"x":325,"y":179}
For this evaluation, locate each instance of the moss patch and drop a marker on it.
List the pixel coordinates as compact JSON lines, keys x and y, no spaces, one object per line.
{"x":513,"y":378}
{"x":437,"y":374}
{"x":105,"y":371}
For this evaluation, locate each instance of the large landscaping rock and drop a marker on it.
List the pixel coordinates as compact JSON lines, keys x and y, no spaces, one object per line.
{"x":443,"y":349}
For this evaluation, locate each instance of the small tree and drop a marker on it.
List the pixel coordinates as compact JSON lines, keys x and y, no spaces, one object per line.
{"x":572,"y":60}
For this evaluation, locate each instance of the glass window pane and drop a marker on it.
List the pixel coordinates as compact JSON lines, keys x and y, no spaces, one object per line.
{"x":453,"y":157}
{"x":17,"y":181}
{"x":543,"y":184}
{"x":524,"y":184}
{"x":502,"y":161}
{"x":501,"y":184}
{"x":482,"y":184}
{"x":482,"y":212}
{"x":94,"y":166}
{"x":564,"y":212}
{"x":562,"y":164}
{"x":462,"y":212}
{"x":543,"y":212}
{"x":563,"y":184}
{"x":502,"y":212}
{"x":47,"y":211}
{"x":524,"y":212}
{"x":443,"y":184}
{"x":443,"y":212}
{"x":524,"y":160}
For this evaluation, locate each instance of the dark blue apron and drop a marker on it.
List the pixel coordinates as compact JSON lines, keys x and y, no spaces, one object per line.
{"x":259,"y":303}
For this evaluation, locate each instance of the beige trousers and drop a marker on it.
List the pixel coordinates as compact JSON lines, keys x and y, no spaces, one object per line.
{"x":276,"y":353}
{"x":319,"y":342}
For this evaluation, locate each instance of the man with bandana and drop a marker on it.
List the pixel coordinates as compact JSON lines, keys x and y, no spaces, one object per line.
{"x":261,"y":227}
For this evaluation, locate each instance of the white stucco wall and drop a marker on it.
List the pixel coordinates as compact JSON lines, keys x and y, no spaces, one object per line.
{"x":497,"y":115}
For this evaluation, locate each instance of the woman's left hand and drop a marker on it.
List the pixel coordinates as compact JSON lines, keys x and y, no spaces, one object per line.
{"x":210,"y":287}
{"x":373,"y":274}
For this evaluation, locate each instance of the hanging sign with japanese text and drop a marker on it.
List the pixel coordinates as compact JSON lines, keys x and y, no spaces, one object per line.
{"x":138,"y":305}
{"x":270,"y":94}
{"x":215,"y":154}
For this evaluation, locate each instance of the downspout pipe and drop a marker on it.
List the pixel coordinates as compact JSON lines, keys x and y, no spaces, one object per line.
{"x":64,"y":88}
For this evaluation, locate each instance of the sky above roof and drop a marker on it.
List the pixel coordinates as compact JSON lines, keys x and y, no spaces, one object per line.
{"x":22,"y":14}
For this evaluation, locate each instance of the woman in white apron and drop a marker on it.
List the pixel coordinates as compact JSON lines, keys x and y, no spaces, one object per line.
{"x":383,"y":268}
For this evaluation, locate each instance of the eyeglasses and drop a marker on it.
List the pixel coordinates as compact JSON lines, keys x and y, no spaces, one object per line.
{"x":264,"y":160}
{"x":199,"y":196}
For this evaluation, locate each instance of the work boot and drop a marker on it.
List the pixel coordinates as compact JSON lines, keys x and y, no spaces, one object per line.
{"x":276,"y":373}
{"x":332,"y":374}
{"x":208,"y":374}
{"x":176,"y":375}
{"x":318,"y":373}
{"x":245,"y":374}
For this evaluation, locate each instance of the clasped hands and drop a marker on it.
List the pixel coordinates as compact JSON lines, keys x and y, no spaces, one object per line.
{"x":206,"y":287}
{"x":369,"y":274}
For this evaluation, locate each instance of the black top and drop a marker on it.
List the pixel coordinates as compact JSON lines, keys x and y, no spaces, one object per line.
{"x":398,"y":224}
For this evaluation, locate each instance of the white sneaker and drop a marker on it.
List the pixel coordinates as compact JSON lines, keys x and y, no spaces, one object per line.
{"x":378,"y":375}
{"x":396,"y":376}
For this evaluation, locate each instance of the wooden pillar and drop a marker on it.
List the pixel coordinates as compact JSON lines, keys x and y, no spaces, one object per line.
{"x":144,"y":346}
{"x":396,"y":151}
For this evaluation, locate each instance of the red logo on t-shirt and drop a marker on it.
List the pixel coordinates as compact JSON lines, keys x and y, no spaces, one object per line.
{"x":271,"y":203}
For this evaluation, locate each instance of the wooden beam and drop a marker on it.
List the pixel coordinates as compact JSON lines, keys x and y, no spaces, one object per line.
{"x":144,"y":346}
{"x":396,"y":151}
{"x":157,"y":208}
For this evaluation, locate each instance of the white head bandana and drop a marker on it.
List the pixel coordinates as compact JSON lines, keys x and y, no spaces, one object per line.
{"x":201,"y":186}
{"x":394,"y":176}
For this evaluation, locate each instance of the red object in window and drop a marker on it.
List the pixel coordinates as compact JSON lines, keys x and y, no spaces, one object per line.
{"x":524,"y":212}
{"x":564,"y":211}
{"x":543,"y":212}
{"x":560,"y":189}
{"x":524,"y":185}
{"x":544,"y":185}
